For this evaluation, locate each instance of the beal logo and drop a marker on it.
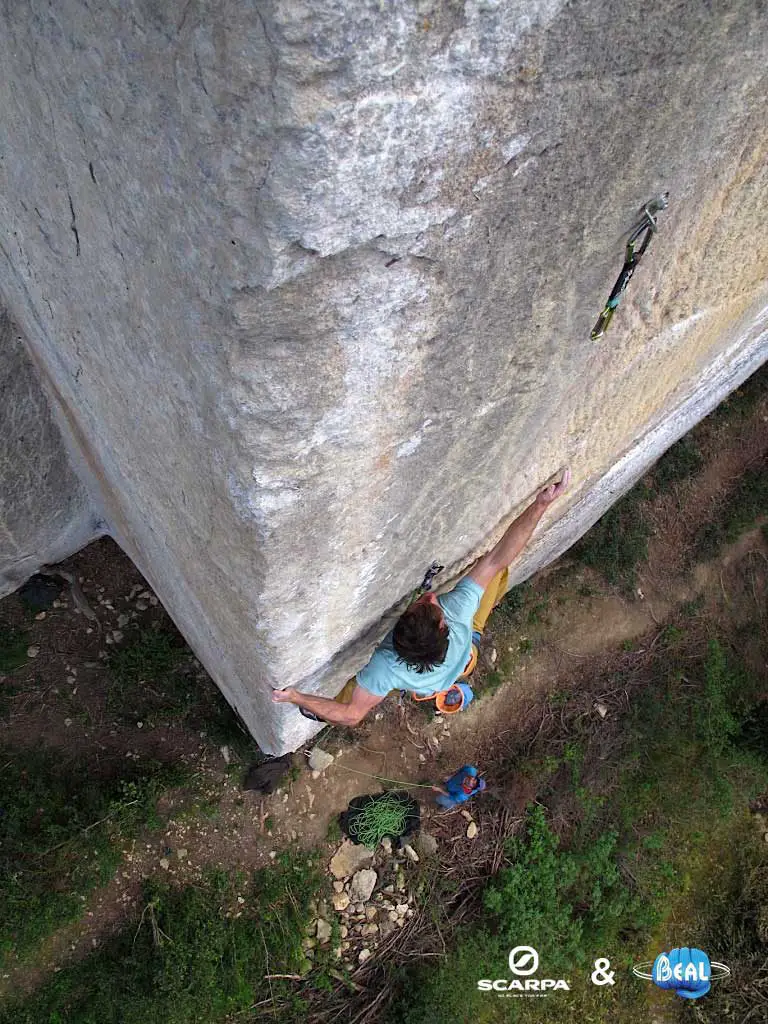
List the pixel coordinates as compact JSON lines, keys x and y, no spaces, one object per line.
{"x":687,"y":971}
{"x":523,"y":961}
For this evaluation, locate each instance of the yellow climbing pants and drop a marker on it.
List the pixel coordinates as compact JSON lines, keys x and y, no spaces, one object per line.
{"x":492,"y":595}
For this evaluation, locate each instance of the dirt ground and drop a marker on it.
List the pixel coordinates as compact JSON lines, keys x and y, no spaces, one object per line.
{"x":63,"y":697}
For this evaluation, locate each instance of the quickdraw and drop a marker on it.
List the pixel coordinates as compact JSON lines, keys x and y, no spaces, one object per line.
{"x":426,"y":584}
{"x":637,"y":243}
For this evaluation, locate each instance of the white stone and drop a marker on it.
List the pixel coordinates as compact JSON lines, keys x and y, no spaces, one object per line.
{"x":349,"y":858}
{"x":340,"y":901}
{"x":472,"y":830}
{"x":363,"y":884}
{"x":320,"y":759}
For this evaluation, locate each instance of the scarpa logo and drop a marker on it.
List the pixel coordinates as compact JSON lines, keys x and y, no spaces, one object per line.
{"x":687,"y":971}
{"x":524,"y":962}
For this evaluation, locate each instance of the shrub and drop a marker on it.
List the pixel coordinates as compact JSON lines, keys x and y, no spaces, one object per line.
{"x":618,"y":542}
{"x":194,"y":956}
{"x":59,"y":838}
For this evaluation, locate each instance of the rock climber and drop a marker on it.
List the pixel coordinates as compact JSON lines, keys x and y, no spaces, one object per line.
{"x":435,"y":641}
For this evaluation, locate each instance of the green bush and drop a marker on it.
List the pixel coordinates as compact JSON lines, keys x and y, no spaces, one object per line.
{"x":60,"y":832}
{"x":741,"y":509}
{"x":738,"y":934}
{"x":194,"y":956}
{"x":566,"y":903}
{"x":569,"y":905}
{"x":682,"y":460}
{"x":618,"y":542}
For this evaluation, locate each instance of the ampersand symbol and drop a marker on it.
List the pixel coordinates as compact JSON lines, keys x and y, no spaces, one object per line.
{"x":601,"y":975}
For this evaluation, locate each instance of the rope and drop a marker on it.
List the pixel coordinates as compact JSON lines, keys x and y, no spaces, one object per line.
{"x":385,"y":815}
{"x":380,"y":778}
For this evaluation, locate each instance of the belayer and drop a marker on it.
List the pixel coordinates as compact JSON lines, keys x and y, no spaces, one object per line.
{"x":461,"y":787}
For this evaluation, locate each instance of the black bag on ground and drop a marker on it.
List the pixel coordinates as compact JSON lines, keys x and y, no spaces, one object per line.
{"x":356,"y":820}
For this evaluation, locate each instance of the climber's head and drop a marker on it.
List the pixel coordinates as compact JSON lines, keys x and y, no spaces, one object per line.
{"x":420,"y":638}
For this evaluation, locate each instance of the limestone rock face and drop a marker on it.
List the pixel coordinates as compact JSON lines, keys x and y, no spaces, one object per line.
{"x":314,"y":283}
{"x":45,"y":512}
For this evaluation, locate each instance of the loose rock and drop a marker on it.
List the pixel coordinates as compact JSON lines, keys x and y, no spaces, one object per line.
{"x":340,"y":901}
{"x":324,"y":931}
{"x":410,"y":853}
{"x":471,"y":830}
{"x":363,"y":955}
{"x":320,"y":759}
{"x":349,"y":858}
{"x":363,"y":884}
{"x":426,"y":844}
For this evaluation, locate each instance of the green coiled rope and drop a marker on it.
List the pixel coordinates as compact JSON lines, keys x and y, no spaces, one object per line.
{"x":385,"y":816}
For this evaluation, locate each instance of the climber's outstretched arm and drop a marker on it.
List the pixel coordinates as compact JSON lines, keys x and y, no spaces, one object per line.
{"x":330,"y":710}
{"x":518,"y":534}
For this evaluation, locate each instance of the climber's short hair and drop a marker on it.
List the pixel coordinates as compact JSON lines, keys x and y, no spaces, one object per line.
{"x":420,"y":638}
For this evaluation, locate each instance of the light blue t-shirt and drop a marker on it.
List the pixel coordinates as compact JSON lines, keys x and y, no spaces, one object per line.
{"x":385,"y":672}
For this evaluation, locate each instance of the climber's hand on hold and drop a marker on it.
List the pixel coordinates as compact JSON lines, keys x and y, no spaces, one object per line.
{"x":552,"y":493}
{"x":286,"y":696}
{"x":518,"y":534}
